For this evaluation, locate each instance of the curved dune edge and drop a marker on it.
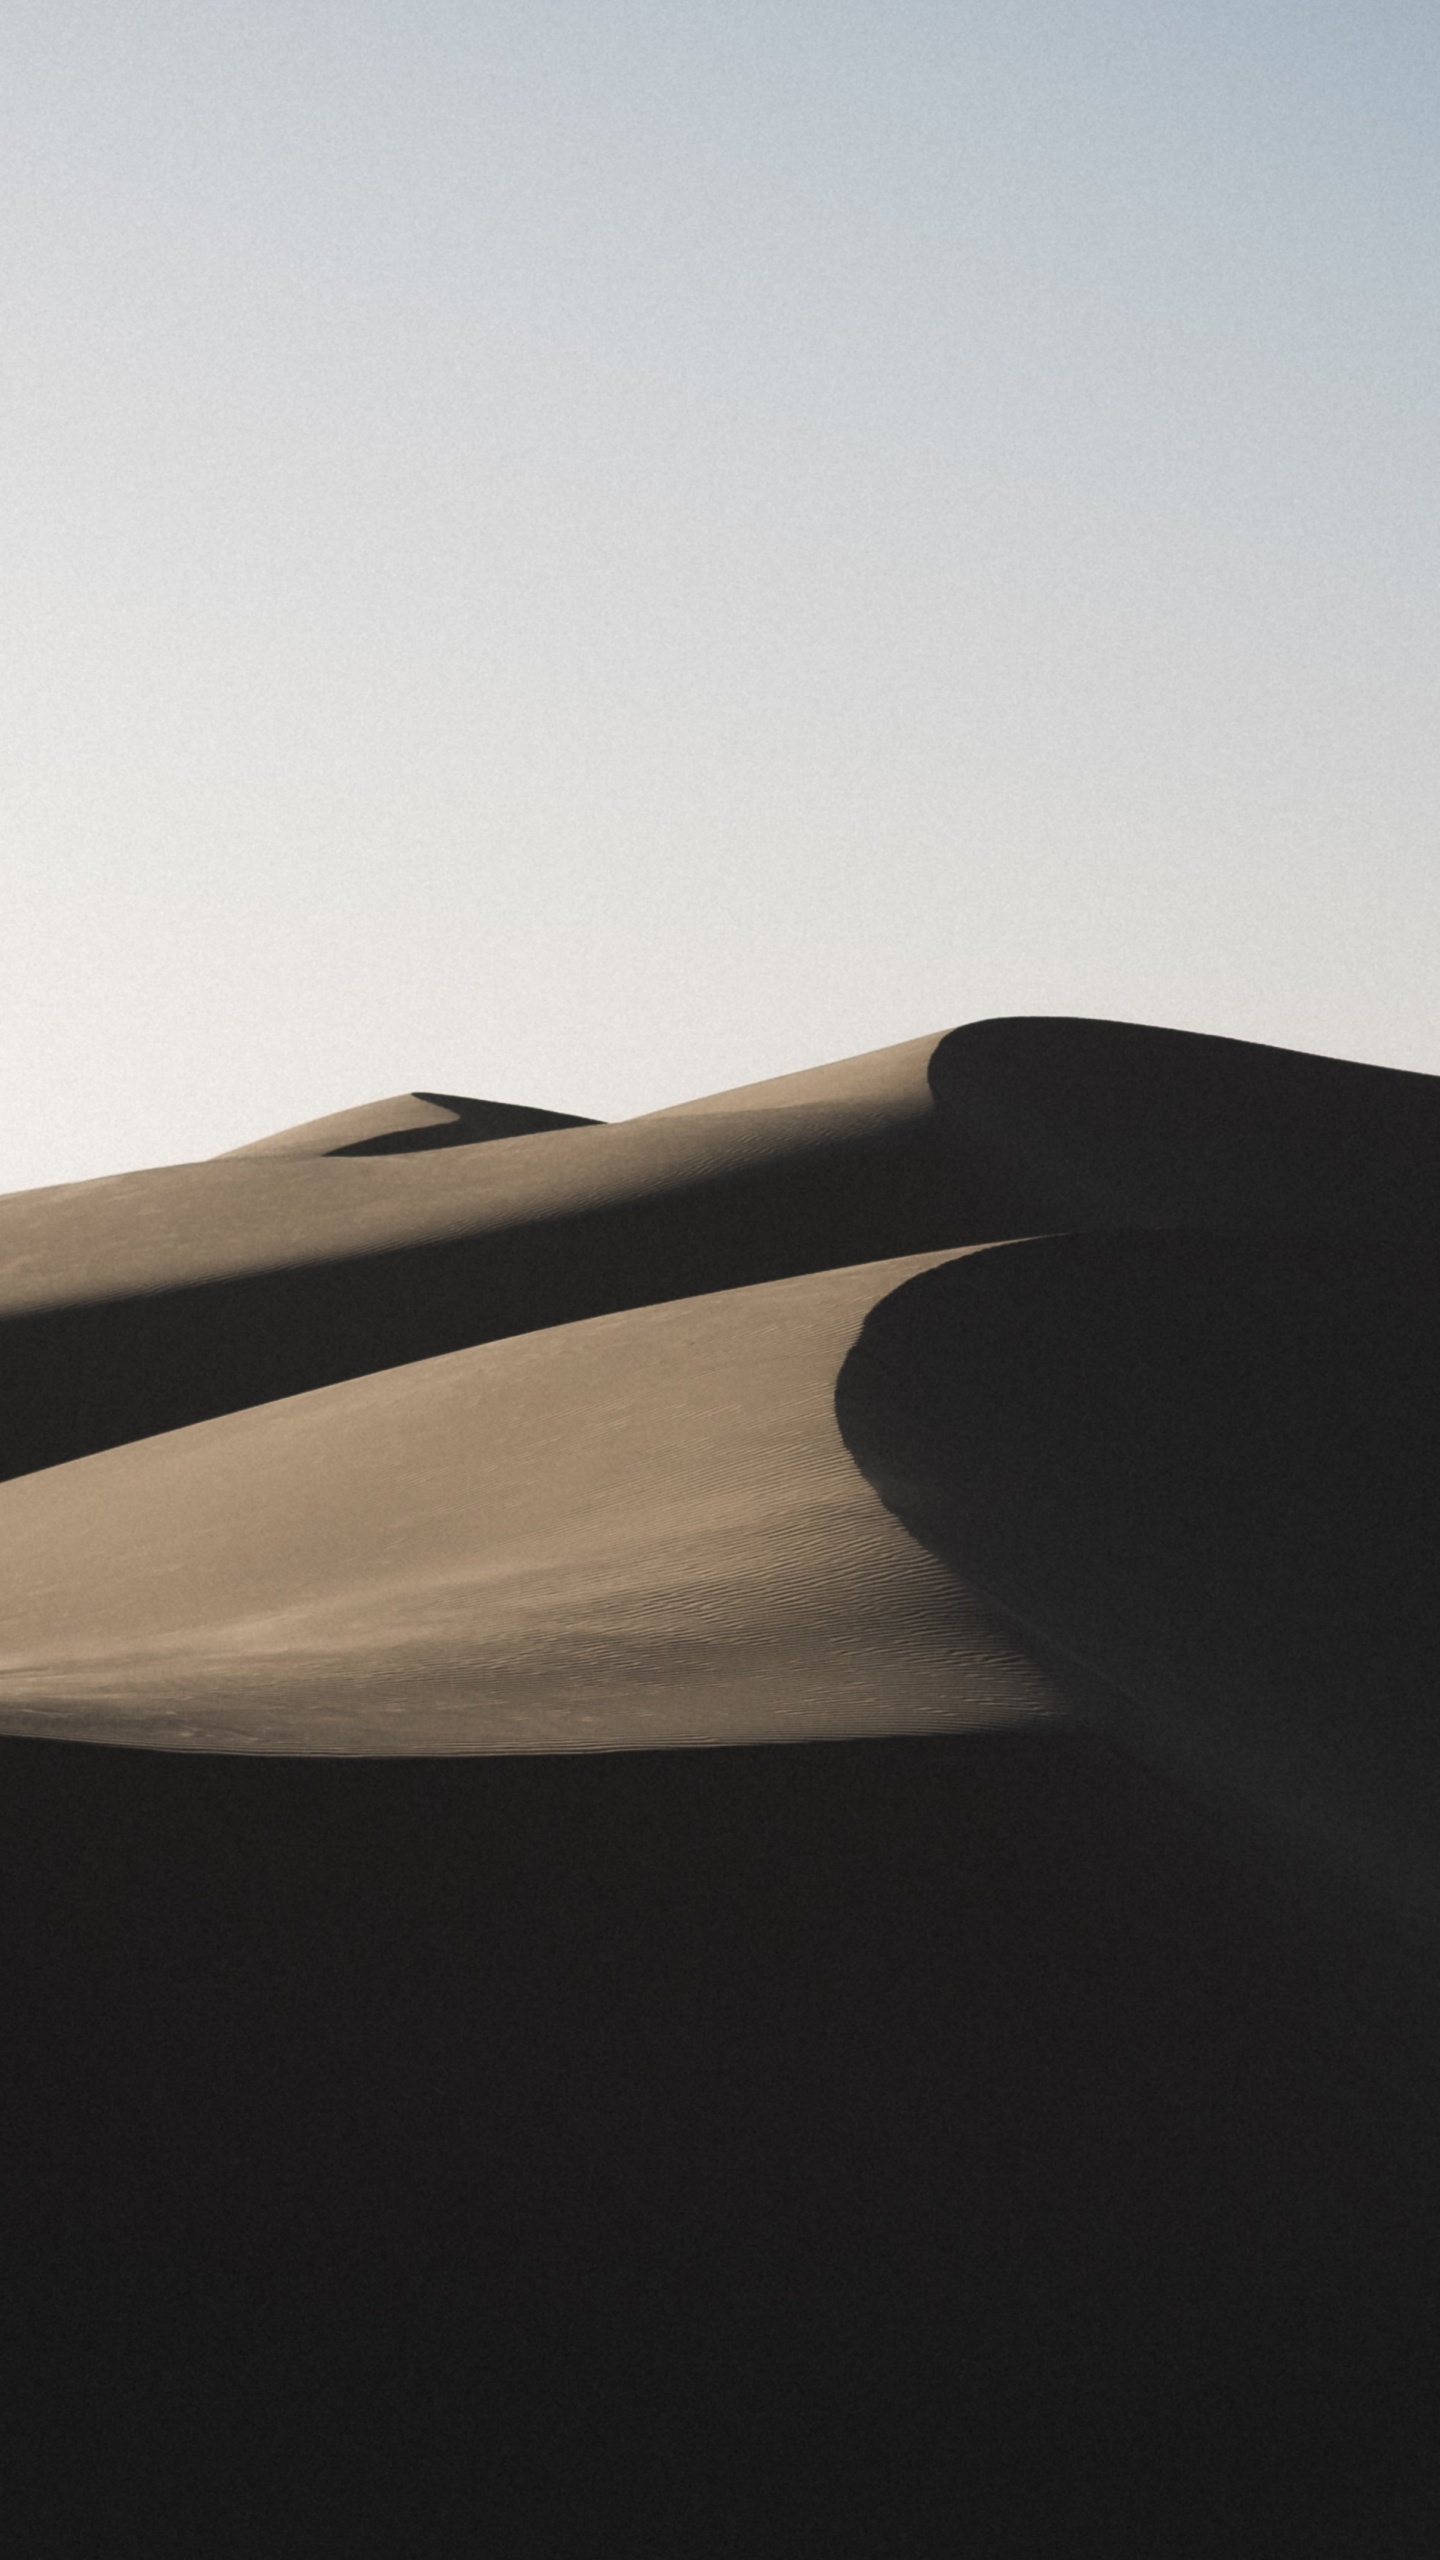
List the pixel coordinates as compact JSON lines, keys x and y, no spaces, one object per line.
{"x":161,"y":1299}
{"x":255,"y":1212}
{"x":874,"y":2147}
{"x":167,"y":1307}
{"x":641,"y":1530}
{"x":156,"y":1300}
{"x":408,"y":1124}
{"x":1200,"y":1472}
{"x":1055,"y":1123}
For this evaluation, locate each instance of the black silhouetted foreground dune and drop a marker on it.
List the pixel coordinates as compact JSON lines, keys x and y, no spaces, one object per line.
{"x":445,"y":2116}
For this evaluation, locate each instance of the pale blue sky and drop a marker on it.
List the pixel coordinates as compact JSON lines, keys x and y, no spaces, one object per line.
{"x":586,"y":553}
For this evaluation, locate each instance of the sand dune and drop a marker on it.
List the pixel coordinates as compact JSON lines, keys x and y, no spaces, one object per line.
{"x":525,"y":1441}
{"x":408,"y":1124}
{"x":444,"y":2113}
{"x":153,"y":1300}
{"x":539,"y":1443}
{"x":638,"y":1530}
{"x":158,"y":1299}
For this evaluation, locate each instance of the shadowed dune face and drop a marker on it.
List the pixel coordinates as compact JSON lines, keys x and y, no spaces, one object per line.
{"x":408,"y":1124}
{"x":1203,"y":1471}
{"x":878,"y":2147}
{"x":1064,"y":1124}
{"x":642,"y":1529}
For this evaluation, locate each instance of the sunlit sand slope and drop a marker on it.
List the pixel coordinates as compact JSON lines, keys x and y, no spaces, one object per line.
{"x":157,"y":1299}
{"x":448,"y":2115}
{"x":408,"y":1124}
{"x":641,"y":1529}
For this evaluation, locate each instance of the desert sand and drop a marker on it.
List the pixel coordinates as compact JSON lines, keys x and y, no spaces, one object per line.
{"x":763,"y":1871}
{"x":136,"y":1305}
{"x":638,"y":1530}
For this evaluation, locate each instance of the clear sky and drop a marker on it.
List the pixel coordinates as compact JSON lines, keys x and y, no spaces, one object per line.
{"x":585,"y":551}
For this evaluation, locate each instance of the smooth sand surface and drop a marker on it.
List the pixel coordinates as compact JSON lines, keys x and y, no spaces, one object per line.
{"x":408,"y":1124}
{"x":634,"y":1531}
{"x":435,"y":2125}
{"x":158,"y":1299}
{"x":152,"y":1300}
{"x":512,"y":1442}
{"x":253,"y":1210}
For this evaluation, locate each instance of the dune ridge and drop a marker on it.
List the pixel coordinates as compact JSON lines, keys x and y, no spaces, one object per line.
{"x":150,"y":1301}
{"x":343,"y":1297}
{"x":449,"y":2108}
{"x":630,"y":1532}
{"x":408,"y":1124}
{"x":1054,"y":1123}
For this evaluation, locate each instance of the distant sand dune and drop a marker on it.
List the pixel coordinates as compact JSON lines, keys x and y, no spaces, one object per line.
{"x":445,"y":1425}
{"x":408,"y":1124}
{"x":157,"y":1299}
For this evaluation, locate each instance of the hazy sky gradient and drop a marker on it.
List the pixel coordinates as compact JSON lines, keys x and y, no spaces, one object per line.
{"x":588,"y":553}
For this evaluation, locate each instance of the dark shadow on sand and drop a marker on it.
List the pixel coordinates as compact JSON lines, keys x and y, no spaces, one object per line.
{"x":1204,"y":1471}
{"x":473,"y":1124}
{"x":1061,"y":1123}
{"x":697,"y":1206}
{"x":857,"y":2149}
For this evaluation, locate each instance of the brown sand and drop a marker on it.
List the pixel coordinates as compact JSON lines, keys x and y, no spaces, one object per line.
{"x":918,"y":2140}
{"x":639,"y":1530}
{"x":408,"y":1124}
{"x":156,"y":1299}
{"x":152,"y":1300}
